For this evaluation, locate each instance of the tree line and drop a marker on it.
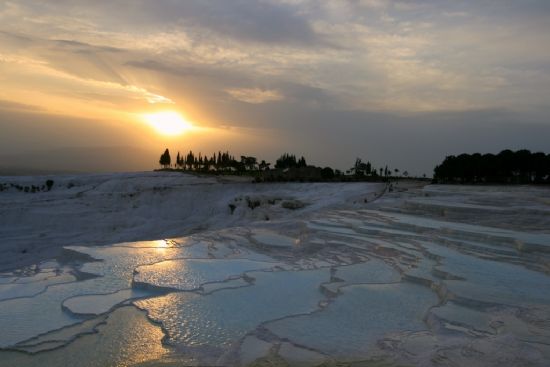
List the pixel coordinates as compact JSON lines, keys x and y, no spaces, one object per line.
{"x":225,"y":163}
{"x":361,"y":169}
{"x":519,"y":167}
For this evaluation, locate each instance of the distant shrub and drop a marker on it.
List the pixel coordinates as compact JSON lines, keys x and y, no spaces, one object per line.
{"x":292,"y":204}
{"x":49,"y":184}
{"x":253,"y":203}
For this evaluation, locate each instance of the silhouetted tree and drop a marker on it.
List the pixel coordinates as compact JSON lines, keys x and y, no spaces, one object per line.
{"x":249,"y":162}
{"x":263,"y":166}
{"x":190,"y":160}
{"x":361,"y":168}
{"x":357,"y":168}
{"x":179,"y":161}
{"x":327,"y":173}
{"x":165,"y":159}
{"x":287,"y":161}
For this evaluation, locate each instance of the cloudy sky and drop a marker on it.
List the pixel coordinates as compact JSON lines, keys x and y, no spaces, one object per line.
{"x":402,"y":83}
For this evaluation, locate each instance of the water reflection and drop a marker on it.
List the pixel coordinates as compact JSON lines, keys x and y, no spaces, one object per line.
{"x":126,"y":339}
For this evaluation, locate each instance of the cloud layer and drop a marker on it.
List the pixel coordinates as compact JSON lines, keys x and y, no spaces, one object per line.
{"x":301,"y":73}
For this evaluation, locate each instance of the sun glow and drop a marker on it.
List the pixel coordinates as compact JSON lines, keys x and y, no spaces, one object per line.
{"x":168,"y":122}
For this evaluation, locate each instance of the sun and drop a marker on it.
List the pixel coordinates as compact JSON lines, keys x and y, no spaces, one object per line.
{"x":168,"y":122}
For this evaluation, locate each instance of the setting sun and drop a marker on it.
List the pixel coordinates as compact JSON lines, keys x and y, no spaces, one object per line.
{"x":168,"y":122}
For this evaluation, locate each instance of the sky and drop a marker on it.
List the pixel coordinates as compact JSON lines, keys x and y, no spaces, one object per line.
{"x":397,"y":83}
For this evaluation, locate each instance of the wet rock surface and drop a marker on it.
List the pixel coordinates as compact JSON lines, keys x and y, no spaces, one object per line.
{"x":433,"y":276}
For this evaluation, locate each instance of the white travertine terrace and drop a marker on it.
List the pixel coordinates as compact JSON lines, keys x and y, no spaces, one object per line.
{"x":420,"y":276}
